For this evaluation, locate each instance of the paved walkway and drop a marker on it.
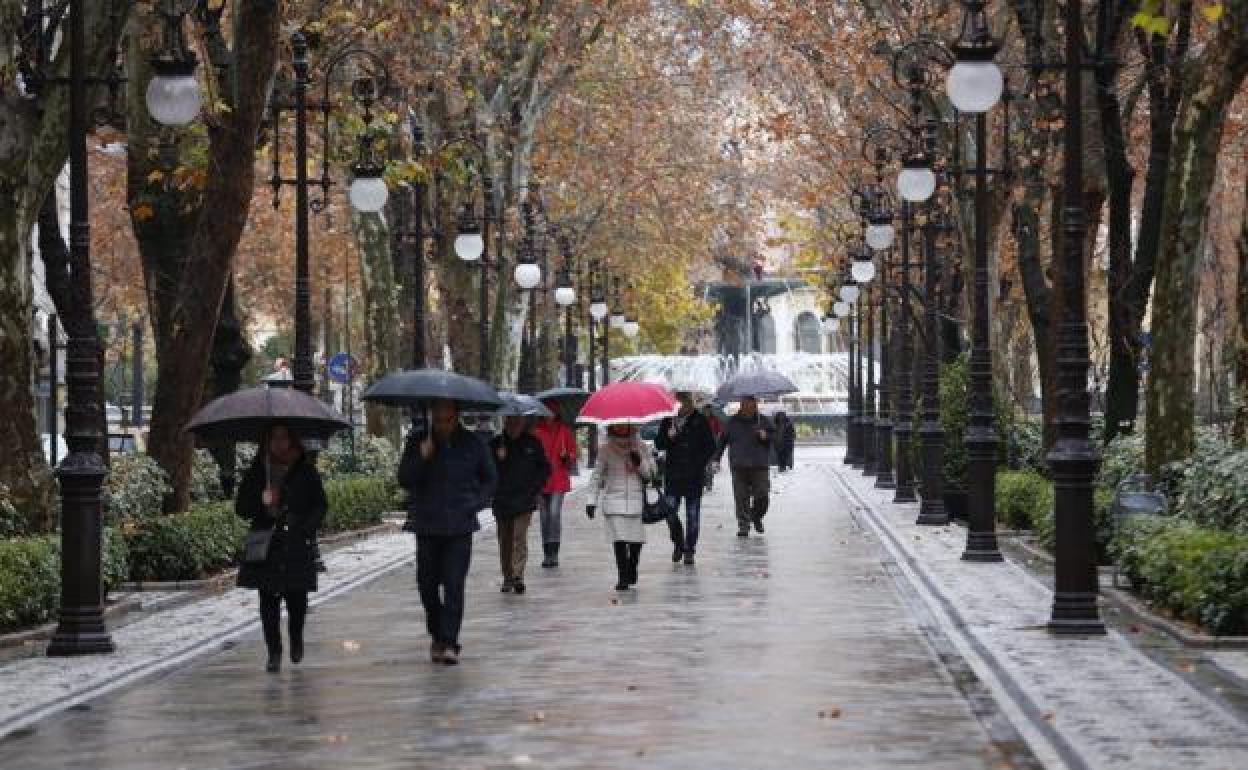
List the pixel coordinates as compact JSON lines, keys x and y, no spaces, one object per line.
{"x":798,"y":649}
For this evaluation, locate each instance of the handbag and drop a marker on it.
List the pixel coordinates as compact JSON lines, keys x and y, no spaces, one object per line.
{"x":659,"y":510}
{"x":256,"y":546}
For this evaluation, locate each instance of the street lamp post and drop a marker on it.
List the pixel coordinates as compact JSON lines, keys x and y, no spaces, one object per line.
{"x":472,"y":244}
{"x":367,"y":192}
{"x":412,"y":243}
{"x":565,"y":297}
{"x":931,"y":434}
{"x":853,"y":456}
{"x":869,"y":438}
{"x":1073,"y":457}
{"x":903,"y":421}
{"x":974,"y":85}
{"x":172,"y":99}
{"x":884,"y":478}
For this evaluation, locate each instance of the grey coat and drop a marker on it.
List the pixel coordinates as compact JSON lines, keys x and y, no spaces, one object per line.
{"x":740,"y":440}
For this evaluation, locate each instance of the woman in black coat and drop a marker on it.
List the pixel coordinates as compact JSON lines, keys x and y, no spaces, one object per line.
{"x":282,"y":491}
{"x":522,"y":472}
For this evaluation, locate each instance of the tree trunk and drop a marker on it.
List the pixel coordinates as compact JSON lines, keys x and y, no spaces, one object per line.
{"x":1240,"y":428}
{"x":382,"y":316}
{"x":230,"y":354}
{"x":196,"y":280}
{"x":1212,"y":84}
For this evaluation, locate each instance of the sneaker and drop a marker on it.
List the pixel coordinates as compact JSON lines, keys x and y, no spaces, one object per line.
{"x":677,"y":552}
{"x":436,"y":651}
{"x":518,"y":586}
{"x":450,"y":656}
{"x":689,"y":558}
{"x":758,"y":525}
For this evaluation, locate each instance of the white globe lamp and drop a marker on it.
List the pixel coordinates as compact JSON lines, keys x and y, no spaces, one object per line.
{"x":527,"y":275}
{"x":849,"y":293}
{"x":975,"y":86}
{"x":598,"y":309}
{"x":368,"y":193}
{"x":841,"y":309}
{"x":631,"y":328}
{"x":565,"y":296}
{"x":880,"y":236}
{"x":173,"y":95}
{"x":916,"y":182}
{"x":862,"y":270}
{"x":469,"y":246}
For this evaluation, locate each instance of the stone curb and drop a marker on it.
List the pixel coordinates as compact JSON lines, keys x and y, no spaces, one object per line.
{"x":45,"y":632}
{"x":1128,"y":602}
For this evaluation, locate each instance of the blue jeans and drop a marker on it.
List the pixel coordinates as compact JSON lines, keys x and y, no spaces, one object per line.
{"x":685,"y":538}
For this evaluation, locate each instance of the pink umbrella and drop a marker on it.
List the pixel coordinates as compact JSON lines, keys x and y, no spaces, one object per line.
{"x":628,"y":403}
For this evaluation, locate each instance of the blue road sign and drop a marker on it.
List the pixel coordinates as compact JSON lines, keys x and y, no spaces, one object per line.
{"x":341,"y":367}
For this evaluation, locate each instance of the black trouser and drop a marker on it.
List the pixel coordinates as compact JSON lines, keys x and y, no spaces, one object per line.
{"x":627,"y":557}
{"x":441,"y":572}
{"x":271,"y":617}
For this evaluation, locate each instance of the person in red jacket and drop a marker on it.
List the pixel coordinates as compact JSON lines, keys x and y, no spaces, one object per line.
{"x":560,"y":445}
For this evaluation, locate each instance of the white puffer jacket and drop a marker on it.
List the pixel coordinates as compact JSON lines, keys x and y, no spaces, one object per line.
{"x":615,"y":486}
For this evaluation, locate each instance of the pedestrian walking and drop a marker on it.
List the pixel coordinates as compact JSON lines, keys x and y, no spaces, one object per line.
{"x":786,"y":439}
{"x":449,"y":477}
{"x":618,"y":490}
{"x":559,"y":442}
{"x":717,"y":429}
{"x":282,"y":496}
{"x":747,"y":437}
{"x":689,"y":445}
{"x":522,"y":472}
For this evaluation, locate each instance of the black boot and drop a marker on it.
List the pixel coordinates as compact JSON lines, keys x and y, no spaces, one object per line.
{"x":271,"y":622}
{"x":621,"y":565}
{"x":297,"y":612}
{"x":634,"y":556}
{"x":548,"y":556}
{"x":554,"y":554}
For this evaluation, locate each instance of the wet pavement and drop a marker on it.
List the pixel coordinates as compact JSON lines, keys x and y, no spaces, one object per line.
{"x":795,"y":649}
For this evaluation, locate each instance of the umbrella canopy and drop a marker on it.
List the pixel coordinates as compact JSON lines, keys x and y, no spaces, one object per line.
{"x":244,"y":415}
{"x":567,"y":401}
{"x":761,"y":384}
{"x":418,"y":387}
{"x":628,"y":403}
{"x":520,"y":405}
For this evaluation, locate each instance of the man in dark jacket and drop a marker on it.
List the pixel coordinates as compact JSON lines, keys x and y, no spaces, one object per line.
{"x":522,"y":472}
{"x":786,"y":439}
{"x":689,"y":445}
{"x":449,"y":477}
{"x":749,"y":435}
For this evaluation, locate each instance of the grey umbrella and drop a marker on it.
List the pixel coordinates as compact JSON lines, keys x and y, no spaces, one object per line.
{"x":419,"y":387}
{"x":761,"y":384}
{"x":520,"y":405}
{"x":244,"y":415}
{"x":568,"y":401}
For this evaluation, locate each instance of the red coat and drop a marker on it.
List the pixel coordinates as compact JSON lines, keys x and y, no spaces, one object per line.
{"x":558,"y":441}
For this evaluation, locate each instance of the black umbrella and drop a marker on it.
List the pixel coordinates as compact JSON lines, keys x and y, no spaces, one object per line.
{"x":761,"y":384}
{"x":520,"y":405}
{"x":567,"y":401}
{"x":244,"y":415}
{"x":418,"y":387}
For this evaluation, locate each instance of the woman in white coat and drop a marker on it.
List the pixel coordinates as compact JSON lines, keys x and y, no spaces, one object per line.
{"x":618,"y":490}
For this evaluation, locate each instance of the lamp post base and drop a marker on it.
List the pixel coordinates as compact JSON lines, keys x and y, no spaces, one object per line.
{"x":1075,"y":614}
{"x":982,"y":547}
{"x":932,"y":513}
{"x":885,"y":480}
{"x":81,"y":631}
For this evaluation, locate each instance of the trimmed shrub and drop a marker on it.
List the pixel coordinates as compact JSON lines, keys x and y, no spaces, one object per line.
{"x":1024,"y":443}
{"x":1212,"y":490}
{"x":954,"y":415}
{"x":205,"y":477}
{"x":30,"y":577}
{"x":374,"y":456}
{"x":1120,"y":458}
{"x":187,"y":546}
{"x":12,"y":523}
{"x":135,"y":489}
{"x":356,"y":502}
{"x":1022,"y":497}
{"x":1197,"y":573}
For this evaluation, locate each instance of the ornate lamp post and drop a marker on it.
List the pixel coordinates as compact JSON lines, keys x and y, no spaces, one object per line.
{"x":367,"y":193}
{"x":173,"y":99}
{"x":1073,"y":458}
{"x":862,"y":272}
{"x":472,"y":243}
{"x":974,"y":86}
{"x":931,"y":434}
{"x":565,"y":297}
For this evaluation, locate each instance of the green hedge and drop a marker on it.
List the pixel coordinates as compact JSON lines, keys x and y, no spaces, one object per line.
{"x":1022,"y":498}
{"x":356,"y":502}
{"x":187,"y":546}
{"x":207,"y":539}
{"x":1044,"y":525}
{"x":1198,"y":573}
{"x":30,"y":577}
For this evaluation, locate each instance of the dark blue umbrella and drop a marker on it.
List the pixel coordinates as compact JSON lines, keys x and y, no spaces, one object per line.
{"x":764,"y":383}
{"x":420,"y":387}
{"x":567,"y":401}
{"x":520,"y":405}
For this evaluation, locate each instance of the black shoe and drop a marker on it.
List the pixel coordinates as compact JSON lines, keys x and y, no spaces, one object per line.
{"x":677,"y":553}
{"x":743,"y":532}
{"x":296,"y":651}
{"x":518,"y":586}
{"x":548,"y":555}
{"x":506,"y":587}
{"x":275,"y":662}
{"x":758,"y":525}
{"x":689,"y":558}
{"x":621,"y":586}
{"x":554,"y":554}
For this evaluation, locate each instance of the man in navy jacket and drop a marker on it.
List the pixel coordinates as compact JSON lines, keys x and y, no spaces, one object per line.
{"x":449,"y":477}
